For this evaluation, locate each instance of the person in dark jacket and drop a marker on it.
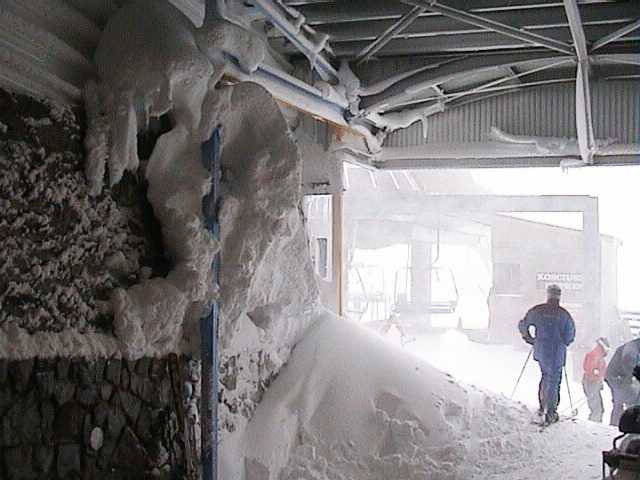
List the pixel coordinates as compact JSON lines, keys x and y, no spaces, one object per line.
{"x":594,"y":369}
{"x":553,"y":331}
{"x":619,"y":377}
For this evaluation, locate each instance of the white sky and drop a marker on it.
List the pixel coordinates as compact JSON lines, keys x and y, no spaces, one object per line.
{"x":618,"y":190}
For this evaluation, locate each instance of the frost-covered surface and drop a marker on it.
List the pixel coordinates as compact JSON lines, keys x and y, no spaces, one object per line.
{"x":63,"y":250}
{"x":159,"y":69}
{"x":268,"y":293}
{"x":349,"y":406}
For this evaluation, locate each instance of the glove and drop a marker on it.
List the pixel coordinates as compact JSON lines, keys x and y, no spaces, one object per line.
{"x":528,"y":339}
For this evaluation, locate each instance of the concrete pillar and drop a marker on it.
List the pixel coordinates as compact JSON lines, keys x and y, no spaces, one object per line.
{"x":421,"y":278}
{"x":592,"y":272}
{"x":337,"y":251}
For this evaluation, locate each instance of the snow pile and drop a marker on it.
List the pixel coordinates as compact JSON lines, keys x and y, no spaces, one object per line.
{"x":350,"y":406}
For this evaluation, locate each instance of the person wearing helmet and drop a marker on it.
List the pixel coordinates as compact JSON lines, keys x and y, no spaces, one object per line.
{"x":553,"y":330}
{"x":595,"y":368}
{"x":619,"y":377}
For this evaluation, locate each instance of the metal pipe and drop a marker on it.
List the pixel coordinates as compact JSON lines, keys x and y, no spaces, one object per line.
{"x":584,"y":118}
{"x":497,"y":27}
{"x":613,"y":36}
{"x":388,"y":34}
{"x":310,"y":50}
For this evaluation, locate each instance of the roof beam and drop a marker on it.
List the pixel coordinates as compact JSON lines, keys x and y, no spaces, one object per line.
{"x":389,"y":33}
{"x":542,"y":21}
{"x":492,"y":25}
{"x":584,"y":119}
{"x":616,"y":35}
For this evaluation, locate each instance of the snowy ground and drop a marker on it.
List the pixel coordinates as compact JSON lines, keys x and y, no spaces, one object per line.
{"x":351,"y":405}
{"x":493,"y":367}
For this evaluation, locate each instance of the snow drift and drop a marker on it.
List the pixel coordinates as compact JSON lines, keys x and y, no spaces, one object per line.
{"x":350,"y":406}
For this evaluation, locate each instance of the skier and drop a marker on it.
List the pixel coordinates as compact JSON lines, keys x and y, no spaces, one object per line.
{"x":554,"y":330}
{"x":595,"y":367}
{"x":619,"y":377}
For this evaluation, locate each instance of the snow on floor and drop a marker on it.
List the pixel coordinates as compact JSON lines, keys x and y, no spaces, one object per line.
{"x":350,"y":405}
{"x":494,"y":367}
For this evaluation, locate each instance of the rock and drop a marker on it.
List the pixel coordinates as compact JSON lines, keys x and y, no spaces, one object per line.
{"x":82,"y":372}
{"x":19,"y":464}
{"x":158,"y":369}
{"x":165,"y":395}
{"x":148,"y":391}
{"x":159,"y":454}
{"x":20,"y":371}
{"x":116,"y":420}
{"x":100,"y":413}
{"x":63,"y":392}
{"x":4,"y":371}
{"x":98,"y":368}
{"x":124,"y":380}
{"x":45,"y":380}
{"x":143,"y":425}
{"x":114,"y":371}
{"x":106,"y":454}
{"x":96,"y":439}
{"x":68,"y":423}
{"x":130,"y":454}
{"x":68,"y":462}
{"x":8,"y":434}
{"x":29,"y":422}
{"x":6,"y":398}
{"x":131,"y":405}
{"x":43,"y":458}
{"x":62,"y":368}
{"x":87,"y":427}
{"x":135,"y":384}
{"x":47,"y":415}
{"x":87,"y":395}
{"x":142,"y":366}
{"x":105,"y":391}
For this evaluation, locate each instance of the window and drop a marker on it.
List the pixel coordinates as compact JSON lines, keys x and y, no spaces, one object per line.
{"x":322,"y":263}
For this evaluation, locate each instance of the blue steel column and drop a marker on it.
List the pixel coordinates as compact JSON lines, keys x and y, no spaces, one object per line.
{"x":209,"y":324}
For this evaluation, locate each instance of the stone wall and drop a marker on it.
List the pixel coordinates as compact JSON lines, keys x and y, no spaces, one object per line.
{"x":64,"y":251}
{"x":69,"y":418}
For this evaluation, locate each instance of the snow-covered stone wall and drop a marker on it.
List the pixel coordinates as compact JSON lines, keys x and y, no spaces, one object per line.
{"x":64,"y":254}
{"x":64,"y":251}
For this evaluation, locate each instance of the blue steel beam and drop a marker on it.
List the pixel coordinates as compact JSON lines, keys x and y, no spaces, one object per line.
{"x":209,"y":324}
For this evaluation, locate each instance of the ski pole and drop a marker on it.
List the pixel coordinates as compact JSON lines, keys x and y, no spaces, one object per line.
{"x":574,"y":412}
{"x":521,"y":373}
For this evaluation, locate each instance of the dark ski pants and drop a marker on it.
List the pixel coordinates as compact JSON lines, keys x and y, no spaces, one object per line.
{"x":624,"y":396}
{"x":549,"y":388}
{"x":592,"y":391}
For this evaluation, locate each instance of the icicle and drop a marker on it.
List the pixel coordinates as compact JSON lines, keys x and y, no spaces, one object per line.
{"x":95,"y":141}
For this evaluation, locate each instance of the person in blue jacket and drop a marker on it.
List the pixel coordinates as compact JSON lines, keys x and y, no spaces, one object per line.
{"x":553,"y":330}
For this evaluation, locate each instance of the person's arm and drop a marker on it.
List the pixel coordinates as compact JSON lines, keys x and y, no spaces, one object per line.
{"x":586,"y":363}
{"x":569,"y":330}
{"x":524,"y":326}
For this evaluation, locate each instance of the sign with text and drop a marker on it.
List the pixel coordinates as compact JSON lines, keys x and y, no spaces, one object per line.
{"x":566,"y":281}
